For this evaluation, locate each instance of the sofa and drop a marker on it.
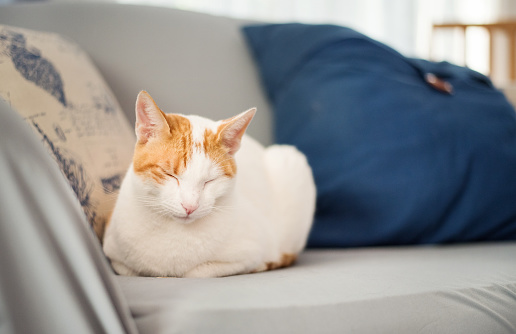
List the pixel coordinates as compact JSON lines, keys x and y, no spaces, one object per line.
{"x":55,"y":279}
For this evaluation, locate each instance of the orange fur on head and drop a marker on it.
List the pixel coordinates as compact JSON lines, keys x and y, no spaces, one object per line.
{"x":167,"y":155}
{"x":164,"y":143}
{"x":219,"y":153}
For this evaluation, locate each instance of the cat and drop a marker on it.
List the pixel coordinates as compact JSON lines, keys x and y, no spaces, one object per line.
{"x":203,"y":199}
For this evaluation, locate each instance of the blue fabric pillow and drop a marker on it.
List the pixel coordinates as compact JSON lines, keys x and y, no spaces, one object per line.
{"x":398,"y":158}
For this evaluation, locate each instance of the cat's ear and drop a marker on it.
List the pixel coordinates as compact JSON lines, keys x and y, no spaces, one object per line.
{"x":234,"y":128}
{"x":150,"y":120}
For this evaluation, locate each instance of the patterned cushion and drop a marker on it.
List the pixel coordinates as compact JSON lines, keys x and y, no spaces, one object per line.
{"x":55,"y":87}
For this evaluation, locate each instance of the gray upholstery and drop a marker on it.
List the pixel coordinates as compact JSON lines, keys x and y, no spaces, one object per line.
{"x":454,"y":289}
{"x":53,"y":278}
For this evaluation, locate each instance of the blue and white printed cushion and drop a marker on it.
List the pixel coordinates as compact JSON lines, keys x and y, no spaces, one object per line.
{"x":55,"y":87}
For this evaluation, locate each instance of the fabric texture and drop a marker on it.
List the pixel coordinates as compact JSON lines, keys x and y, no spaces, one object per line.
{"x":54,"y":277}
{"x":53,"y":84}
{"x":404,"y":151}
{"x":459,"y":289}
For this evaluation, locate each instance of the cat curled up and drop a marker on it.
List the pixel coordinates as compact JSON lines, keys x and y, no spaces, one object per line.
{"x":202,"y":199}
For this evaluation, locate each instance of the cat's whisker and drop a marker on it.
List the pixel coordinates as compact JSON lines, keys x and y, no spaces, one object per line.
{"x":148,"y":200}
{"x":219,"y":209}
{"x":163,"y":209}
{"x":159,"y":208}
{"x":223,"y":207}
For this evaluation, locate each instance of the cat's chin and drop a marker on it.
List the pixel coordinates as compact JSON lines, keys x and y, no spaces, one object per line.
{"x":185,"y":220}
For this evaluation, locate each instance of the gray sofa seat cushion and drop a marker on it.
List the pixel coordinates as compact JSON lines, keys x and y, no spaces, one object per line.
{"x":452,"y":289}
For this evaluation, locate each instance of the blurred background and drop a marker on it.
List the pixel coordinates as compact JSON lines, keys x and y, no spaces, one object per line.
{"x":480,"y":34}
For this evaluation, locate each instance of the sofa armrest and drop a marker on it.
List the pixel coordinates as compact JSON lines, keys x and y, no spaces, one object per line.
{"x":53,"y":277}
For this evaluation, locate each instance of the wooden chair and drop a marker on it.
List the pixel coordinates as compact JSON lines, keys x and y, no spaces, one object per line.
{"x":507,"y":28}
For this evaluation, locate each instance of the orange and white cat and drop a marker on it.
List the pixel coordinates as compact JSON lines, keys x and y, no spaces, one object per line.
{"x":202,"y":199}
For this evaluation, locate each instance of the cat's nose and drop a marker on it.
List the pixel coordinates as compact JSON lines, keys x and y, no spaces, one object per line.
{"x":189,"y":207}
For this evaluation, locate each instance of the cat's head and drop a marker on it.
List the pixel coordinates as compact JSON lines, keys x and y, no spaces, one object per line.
{"x":185,"y":164}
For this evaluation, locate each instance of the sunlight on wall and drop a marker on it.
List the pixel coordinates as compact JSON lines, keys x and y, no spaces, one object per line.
{"x":377,"y":18}
{"x":405,"y":25}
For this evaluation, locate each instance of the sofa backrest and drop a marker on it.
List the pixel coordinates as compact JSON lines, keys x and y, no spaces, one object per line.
{"x":191,"y":63}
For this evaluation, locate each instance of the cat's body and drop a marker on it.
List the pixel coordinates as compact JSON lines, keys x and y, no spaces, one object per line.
{"x":186,"y":210}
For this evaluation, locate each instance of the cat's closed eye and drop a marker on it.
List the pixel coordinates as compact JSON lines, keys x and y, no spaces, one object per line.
{"x":169,"y":174}
{"x":209,"y":181}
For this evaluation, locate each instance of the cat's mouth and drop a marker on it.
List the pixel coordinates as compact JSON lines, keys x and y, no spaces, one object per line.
{"x":187,"y":219}
{"x":179,"y":217}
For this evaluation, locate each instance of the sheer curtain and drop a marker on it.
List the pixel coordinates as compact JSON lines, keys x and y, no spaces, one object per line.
{"x":405,"y":25}
{"x":391,"y":21}
{"x":402,"y":24}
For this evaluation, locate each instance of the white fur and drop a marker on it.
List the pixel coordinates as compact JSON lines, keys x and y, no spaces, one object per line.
{"x":240,"y":224}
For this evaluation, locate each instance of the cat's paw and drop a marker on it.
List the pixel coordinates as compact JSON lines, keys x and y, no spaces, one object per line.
{"x":217,"y":269}
{"x":260,"y":268}
{"x":204,"y":270}
{"x":122,"y":269}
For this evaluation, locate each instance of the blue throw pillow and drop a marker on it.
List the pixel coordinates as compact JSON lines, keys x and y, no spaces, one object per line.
{"x":403,"y":151}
